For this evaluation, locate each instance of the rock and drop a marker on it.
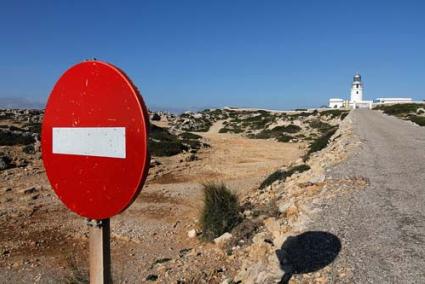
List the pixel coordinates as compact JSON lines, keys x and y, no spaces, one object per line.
{"x":317,"y":179}
{"x":223,"y":239}
{"x":292,"y":211}
{"x":192,"y":233}
{"x":154,"y":163}
{"x":284,"y":206}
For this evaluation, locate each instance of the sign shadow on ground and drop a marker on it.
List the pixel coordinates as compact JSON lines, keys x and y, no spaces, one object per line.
{"x":307,"y":252}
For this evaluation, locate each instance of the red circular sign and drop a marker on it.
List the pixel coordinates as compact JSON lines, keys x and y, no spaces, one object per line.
{"x":94,"y":140}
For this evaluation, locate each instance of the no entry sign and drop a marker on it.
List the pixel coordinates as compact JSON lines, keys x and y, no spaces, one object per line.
{"x":94,"y":140}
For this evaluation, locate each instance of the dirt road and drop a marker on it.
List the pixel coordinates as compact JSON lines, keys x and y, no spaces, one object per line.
{"x":382,"y":228}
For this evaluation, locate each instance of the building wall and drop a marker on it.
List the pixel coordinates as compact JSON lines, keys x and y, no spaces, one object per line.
{"x":336,"y":104}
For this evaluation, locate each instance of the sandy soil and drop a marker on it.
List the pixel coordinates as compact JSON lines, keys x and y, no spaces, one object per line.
{"x":41,"y":241}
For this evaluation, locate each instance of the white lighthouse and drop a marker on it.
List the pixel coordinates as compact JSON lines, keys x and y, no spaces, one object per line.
{"x":356,"y":99}
{"x":357,"y":89}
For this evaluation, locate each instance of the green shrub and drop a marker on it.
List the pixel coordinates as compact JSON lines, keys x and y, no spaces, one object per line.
{"x":284,"y":138}
{"x":221,"y":211}
{"x":11,"y":138}
{"x":334,"y":113}
{"x":321,"y":142}
{"x":267,"y":134}
{"x":194,"y":144}
{"x":294,"y":116}
{"x":419,"y":120}
{"x":343,"y":115}
{"x":297,"y":169}
{"x":277,"y":175}
{"x":291,"y":128}
{"x":282,"y":175}
{"x":399,"y":109}
{"x":163,"y":143}
{"x":190,"y":136}
{"x":320,"y":125}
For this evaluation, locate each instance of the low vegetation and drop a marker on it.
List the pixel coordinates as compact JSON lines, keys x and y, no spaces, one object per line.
{"x":10,"y":137}
{"x":267,"y":134}
{"x":221,"y":211}
{"x":335,"y":113}
{"x":412,"y":112}
{"x":419,"y":120}
{"x":163,"y":143}
{"x":321,"y":142}
{"x":282,"y":175}
{"x":399,"y":109}
{"x":320,"y":125}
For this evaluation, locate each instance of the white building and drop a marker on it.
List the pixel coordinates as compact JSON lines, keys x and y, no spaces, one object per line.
{"x":392,"y":100}
{"x":336,"y":103}
{"x":356,"y":97}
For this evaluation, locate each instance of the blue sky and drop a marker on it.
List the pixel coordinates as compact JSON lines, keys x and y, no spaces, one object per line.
{"x":275,"y":54}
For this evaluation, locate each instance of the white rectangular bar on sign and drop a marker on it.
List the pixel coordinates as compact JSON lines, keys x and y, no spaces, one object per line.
{"x":89,"y":141}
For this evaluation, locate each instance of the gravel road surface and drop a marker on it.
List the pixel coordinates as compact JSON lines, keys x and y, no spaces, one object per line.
{"x":382,"y":228}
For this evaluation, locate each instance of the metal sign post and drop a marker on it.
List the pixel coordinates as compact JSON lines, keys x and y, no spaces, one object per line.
{"x":100,"y":251}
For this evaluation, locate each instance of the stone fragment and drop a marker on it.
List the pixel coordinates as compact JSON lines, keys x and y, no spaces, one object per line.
{"x":223,"y":239}
{"x":192,"y":233}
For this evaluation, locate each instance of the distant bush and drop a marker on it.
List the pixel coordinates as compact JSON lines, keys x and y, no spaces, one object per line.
{"x":258,"y":121}
{"x":163,"y":143}
{"x":155,"y":117}
{"x":231,"y":128}
{"x":399,"y":109}
{"x":34,"y":127}
{"x":284,"y":138}
{"x":11,"y":138}
{"x":320,"y":125}
{"x":343,"y":115}
{"x":419,"y":120}
{"x":188,"y":135}
{"x":291,"y":128}
{"x":334,"y":113}
{"x":273,"y":133}
{"x":282,"y":175}
{"x":277,"y":175}
{"x":221,"y":211}
{"x":321,"y":142}
{"x":294,"y":116}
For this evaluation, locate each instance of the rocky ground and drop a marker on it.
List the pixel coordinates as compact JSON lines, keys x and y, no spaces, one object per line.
{"x":272,"y":161}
